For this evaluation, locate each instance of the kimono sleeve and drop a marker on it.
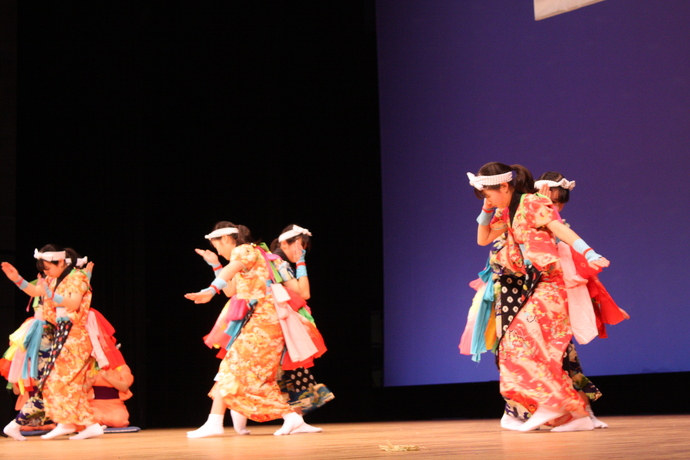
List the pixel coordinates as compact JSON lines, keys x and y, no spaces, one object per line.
{"x":246,"y":255}
{"x":539,"y":245}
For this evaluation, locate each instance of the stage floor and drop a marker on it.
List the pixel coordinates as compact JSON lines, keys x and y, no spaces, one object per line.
{"x":642,"y":437}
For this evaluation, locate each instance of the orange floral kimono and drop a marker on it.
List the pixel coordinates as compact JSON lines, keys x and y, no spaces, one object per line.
{"x":65,"y":388}
{"x":530,"y":355}
{"x":107,"y":403}
{"x":246,"y":379}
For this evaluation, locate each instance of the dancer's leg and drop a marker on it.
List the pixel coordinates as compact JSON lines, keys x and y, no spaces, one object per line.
{"x":90,"y":431}
{"x":510,"y":422}
{"x":292,"y":421}
{"x":576,"y":424}
{"x":597,"y":423}
{"x":214,"y":423}
{"x":544,"y":414}
{"x":59,"y":430}
{"x":12,"y":430}
{"x":239,"y":422}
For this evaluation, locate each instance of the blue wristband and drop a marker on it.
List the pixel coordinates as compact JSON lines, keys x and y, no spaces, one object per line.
{"x":21,"y":283}
{"x":216,"y":286}
{"x":484,"y":218}
{"x":57,"y":298}
{"x":301,"y":266}
{"x":591,"y":256}
{"x":584,"y":249}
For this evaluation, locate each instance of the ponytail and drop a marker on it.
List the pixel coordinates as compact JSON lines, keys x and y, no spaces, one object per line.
{"x":244,"y":236}
{"x":523,"y":182}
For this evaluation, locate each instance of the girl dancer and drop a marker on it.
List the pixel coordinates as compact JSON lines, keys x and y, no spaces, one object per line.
{"x":35,"y":336}
{"x":530,"y":354}
{"x":110,"y":390}
{"x":246,"y":380}
{"x":66,"y":298}
{"x":297,"y":381}
{"x":556,"y":187}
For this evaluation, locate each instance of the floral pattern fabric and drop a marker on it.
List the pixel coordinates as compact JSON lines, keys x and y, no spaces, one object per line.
{"x":32,"y":412}
{"x":65,"y":388}
{"x":246,"y":379}
{"x":304,"y":394}
{"x":530,"y":355}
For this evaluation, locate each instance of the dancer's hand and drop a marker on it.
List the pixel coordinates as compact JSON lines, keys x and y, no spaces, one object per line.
{"x":199,"y":297}
{"x":209,"y":256}
{"x":11,"y":272}
{"x":298,"y":252}
{"x":545,"y":190}
{"x":42,"y":289}
{"x":599,"y":263}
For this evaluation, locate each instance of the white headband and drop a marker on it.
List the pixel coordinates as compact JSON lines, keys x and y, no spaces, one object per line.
{"x":221,"y":231}
{"x":58,"y":255}
{"x":296,"y":231}
{"x":479,"y":182}
{"x":565,"y":183}
{"x":49,"y":256}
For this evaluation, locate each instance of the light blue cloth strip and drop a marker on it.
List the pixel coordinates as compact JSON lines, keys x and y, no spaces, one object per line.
{"x":483,"y":315}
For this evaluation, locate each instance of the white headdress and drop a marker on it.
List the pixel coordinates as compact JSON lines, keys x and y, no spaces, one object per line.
{"x":296,"y":231}
{"x":479,"y":182}
{"x":50,"y":256}
{"x":565,"y":183}
{"x":81,"y":262}
{"x":221,"y":231}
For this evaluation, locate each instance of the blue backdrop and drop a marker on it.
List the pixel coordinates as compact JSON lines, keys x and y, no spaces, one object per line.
{"x":601,"y":94}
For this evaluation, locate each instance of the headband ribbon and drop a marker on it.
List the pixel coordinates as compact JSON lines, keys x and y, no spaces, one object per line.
{"x":296,"y":231}
{"x":221,"y":231}
{"x":50,"y":256}
{"x":479,"y":182}
{"x":564,"y":183}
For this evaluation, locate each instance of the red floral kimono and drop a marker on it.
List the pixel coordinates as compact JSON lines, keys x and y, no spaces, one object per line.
{"x":530,"y":355}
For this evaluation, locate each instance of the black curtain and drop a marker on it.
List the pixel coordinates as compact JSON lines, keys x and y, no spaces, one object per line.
{"x":141,"y":124}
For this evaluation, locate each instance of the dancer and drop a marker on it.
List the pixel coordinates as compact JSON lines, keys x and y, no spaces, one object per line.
{"x":110,"y":390}
{"x":66,"y":297}
{"x":34,"y":339}
{"x":530,"y":353}
{"x":296,"y":379}
{"x":590,"y":306}
{"x":246,"y":380}
{"x":28,"y":355}
{"x":110,"y":380}
{"x":556,"y":187}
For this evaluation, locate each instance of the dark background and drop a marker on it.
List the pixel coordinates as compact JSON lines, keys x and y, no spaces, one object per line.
{"x":128,"y":130}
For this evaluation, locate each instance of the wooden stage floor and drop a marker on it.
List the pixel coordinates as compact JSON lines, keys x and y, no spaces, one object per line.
{"x":642,"y":437}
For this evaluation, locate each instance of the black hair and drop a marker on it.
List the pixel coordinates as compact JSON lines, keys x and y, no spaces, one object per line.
{"x":243,"y":235}
{"x":69,"y":254}
{"x":306,"y":241}
{"x":522,"y":181}
{"x":562,"y":194}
